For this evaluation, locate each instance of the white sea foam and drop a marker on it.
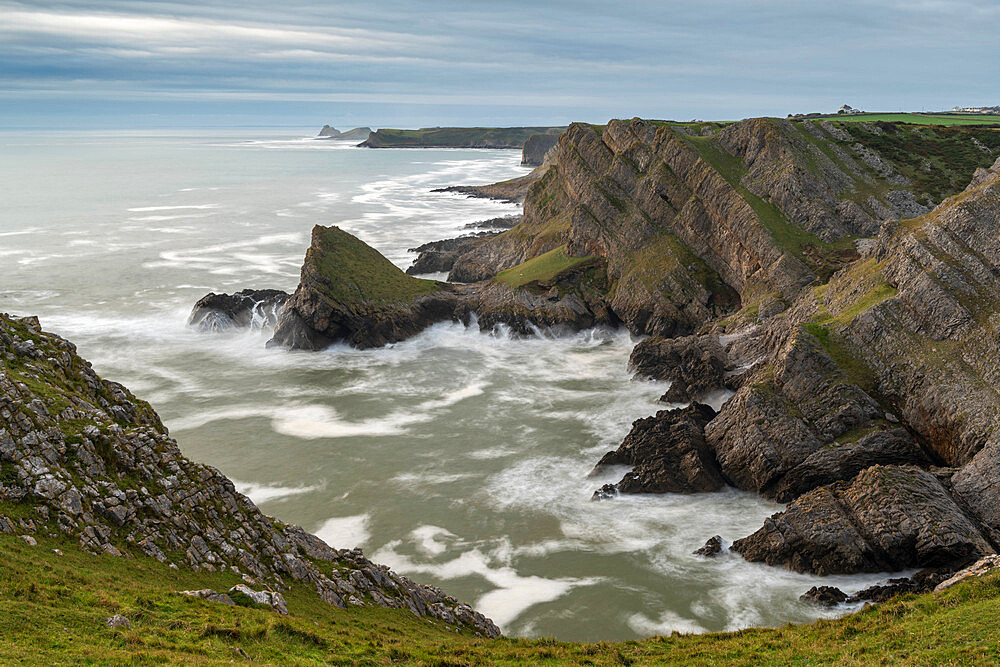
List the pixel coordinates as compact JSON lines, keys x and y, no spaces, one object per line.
{"x":513,"y":593}
{"x":345,"y":532}
{"x":262,"y":493}
{"x":199,"y":207}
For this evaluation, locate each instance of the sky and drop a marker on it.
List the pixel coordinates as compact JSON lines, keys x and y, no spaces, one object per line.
{"x":395,"y":63}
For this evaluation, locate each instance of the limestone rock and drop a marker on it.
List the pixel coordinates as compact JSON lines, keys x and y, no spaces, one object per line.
{"x":350,"y":292}
{"x":117,"y":621}
{"x":977,"y":569}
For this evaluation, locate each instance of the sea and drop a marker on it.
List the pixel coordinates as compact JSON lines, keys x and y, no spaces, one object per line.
{"x":460,"y":458}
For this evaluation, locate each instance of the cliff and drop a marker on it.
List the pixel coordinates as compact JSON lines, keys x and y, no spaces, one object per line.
{"x":85,"y":461}
{"x":536,"y":148}
{"x":456,"y":137}
{"x":872,"y":398}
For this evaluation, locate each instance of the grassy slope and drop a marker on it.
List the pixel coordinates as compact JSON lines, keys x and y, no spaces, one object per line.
{"x":544,"y":267}
{"x":939,"y":161}
{"x":459,"y":136}
{"x":53,"y":609}
{"x":357,"y":273}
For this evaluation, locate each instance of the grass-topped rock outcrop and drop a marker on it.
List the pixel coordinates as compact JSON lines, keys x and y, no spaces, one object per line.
{"x":350,"y":292}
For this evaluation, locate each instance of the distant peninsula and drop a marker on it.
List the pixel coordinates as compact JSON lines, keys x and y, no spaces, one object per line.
{"x":457,"y":137}
{"x":358,"y":133}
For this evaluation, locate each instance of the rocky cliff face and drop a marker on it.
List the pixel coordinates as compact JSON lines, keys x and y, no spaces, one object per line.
{"x":536,"y":148}
{"x":83,"y":457}
{"x":698,"y":219}
{"x":870,"y":402}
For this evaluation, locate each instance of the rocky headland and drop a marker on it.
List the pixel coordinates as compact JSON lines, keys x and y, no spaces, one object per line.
{"x":457,"y":137}
{"x":357,"y":134}
{"x":82,"y":458}
{"x":836,"y":283}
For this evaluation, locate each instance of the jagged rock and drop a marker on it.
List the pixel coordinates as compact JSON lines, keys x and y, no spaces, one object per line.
{"x":29,"y":540}
{"x":606,"y":492}
{"x":977,"y":569}
{"x":117,"y":621}
{"x":801,"y":404}
{"x":921,"y":582}
{"x":350,"y":292}
{"x":694,"y":365}
{"x":438,"y":256}
{"x":274,"y":600}
{"x":508,"y":222}
{"x":117,"y":483}
{"x":712,"y":547}
{"x":512,"y":191}
{"x":247,"y":308}
{"x":824,"y":596}
{"x":840,"y":461}
{"x":668,"y":454}
{"x":888,"y":518}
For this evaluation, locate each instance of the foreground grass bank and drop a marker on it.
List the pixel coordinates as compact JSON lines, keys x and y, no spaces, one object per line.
{"x":54,"y":606}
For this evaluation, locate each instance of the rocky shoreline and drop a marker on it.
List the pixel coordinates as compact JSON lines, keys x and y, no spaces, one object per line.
{"x":855,"y":334}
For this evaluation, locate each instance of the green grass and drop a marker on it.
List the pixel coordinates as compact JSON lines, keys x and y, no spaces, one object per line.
{"x":919,"y":118}
{"x":457,"y":137}
{"x":356,"y":273}
{"x":53,"y":610}
{"x":543,"y":268}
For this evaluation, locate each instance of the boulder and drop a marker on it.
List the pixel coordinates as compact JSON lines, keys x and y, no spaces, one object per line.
{"x":712,"y":547}
{"x":668,"y":454}
{"x":244,"y":309}
{"x":117,"y":621}
{"x":824,"y":596}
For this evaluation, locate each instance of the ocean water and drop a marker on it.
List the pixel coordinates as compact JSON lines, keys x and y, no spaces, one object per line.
{"x":459,"y":458}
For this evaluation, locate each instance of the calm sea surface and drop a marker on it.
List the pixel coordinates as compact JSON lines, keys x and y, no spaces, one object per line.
{"x":457,"y":457}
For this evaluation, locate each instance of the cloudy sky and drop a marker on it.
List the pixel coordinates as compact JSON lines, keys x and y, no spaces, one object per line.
{"x":183,"y":63}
